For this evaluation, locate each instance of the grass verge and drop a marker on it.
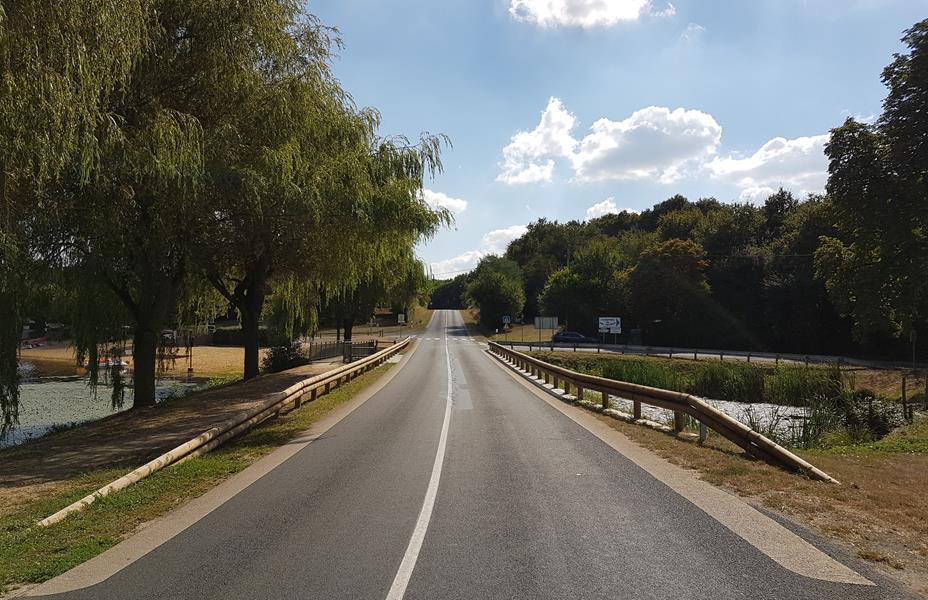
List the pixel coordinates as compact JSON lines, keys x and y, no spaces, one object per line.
{"x":32,"y":554}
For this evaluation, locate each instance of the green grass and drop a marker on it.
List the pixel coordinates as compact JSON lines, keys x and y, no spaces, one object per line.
{"x":32,"y":554}
{"x":793,"y":385}
{"x":908,"y":439}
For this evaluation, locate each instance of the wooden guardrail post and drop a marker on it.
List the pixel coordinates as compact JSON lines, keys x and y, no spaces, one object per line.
{"x":605,"y":400}
{"x":579,"y":393}
{"x":636,"y":410}
{"x":679,"y":423}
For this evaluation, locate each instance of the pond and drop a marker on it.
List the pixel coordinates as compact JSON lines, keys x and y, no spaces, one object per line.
{"x":765,"y":418}
{"x":50,"y":403}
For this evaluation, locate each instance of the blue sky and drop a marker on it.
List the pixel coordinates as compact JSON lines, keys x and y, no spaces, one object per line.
{"x":570,"y":108}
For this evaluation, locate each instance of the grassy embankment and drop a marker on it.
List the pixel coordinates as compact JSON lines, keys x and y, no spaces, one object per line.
{"x":31,"y":554}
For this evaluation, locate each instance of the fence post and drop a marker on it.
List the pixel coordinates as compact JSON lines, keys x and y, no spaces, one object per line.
{"x":579,"y":393}
{"x":905,"y":403}
{"x":605,"y":400}
{"x":636,"y":410}
{"x":678,"y":423}
{"x":703,"y":433}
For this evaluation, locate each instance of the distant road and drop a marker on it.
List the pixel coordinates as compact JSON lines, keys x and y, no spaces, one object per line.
{"x":457,"y":481}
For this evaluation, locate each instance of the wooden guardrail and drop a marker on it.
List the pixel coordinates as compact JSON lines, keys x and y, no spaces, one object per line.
{"x":680,"y":403}
{"x":292,"y":397}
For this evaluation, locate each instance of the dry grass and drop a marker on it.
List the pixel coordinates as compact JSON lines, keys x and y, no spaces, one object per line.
{"x":880,"y":511}
{"x":208,"y":361}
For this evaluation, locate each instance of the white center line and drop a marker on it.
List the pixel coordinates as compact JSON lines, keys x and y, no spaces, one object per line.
{"x":398,"y":589}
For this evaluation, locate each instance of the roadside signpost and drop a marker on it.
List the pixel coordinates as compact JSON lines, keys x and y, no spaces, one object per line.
{"x":611,"y":325}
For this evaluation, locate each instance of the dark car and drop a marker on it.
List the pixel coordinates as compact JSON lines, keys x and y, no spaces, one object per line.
{"x":572,"y":337}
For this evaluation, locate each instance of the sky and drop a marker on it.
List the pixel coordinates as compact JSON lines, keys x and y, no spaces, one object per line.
{"x":570,"y":109}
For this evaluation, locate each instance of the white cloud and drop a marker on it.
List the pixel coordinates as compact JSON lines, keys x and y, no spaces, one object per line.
{"x":585,"y":13}
{"x":606,"y":207}
{"x":756,"y":195}
{"x":654,"y":143}
{"x":441,"y":200}
{"x":798,"y":164}
{"x":496,"y":241}
{"x":693,"y":32}
{"x":493,"y":242}
{"x":527,"y":157}
{"x":446,"y":269}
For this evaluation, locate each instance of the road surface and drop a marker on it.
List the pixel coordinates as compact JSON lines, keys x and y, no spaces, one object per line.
{"x":456,"y":480}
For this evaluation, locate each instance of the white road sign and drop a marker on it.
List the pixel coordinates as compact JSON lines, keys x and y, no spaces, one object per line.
{"x":610,"y":324}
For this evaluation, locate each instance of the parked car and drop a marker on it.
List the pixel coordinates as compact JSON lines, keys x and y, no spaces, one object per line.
{"x":572,"y":337}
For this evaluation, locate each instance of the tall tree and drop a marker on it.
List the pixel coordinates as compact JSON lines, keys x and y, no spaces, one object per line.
{"x":59,"y":63}
{"x":876,"y":268}
{"x":496,"y":289}
{"x":305,"y":192}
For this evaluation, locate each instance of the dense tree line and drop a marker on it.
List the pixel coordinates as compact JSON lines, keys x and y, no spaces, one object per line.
{"x":161,"y":161}
{"x":840,"y":273}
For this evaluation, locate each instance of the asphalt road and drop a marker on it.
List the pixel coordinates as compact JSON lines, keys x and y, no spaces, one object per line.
{"x":521,"y":503}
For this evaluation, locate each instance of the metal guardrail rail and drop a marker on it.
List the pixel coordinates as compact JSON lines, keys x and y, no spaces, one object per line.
{"x":680,"y":403}
{"x":292,"y":397}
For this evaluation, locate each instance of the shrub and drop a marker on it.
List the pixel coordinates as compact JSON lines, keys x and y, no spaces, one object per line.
{"x":867,"y":412}
{"x":281,"y":358}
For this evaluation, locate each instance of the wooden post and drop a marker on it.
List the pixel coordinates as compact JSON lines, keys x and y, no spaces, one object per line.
{"x":605,"y":400}
{"x":636,"y":410}
{"x":556,"y":383}
{"x":905,"y":403}
{"x":703,"y":433}
{"x":678,"y":422}
{"x":579,"y":393}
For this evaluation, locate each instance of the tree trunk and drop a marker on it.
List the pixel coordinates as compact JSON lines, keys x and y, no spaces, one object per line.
{"x":251,"y":328}
{"x":348,"y":324}
{"x":250,"y":309}
{"x":144,"y":357}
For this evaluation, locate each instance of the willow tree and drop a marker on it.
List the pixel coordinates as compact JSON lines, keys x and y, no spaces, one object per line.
{"x":397,"y":279}
{"x":132,"y":226}
{"x":59,"y":63}
{"x":305,"y":195}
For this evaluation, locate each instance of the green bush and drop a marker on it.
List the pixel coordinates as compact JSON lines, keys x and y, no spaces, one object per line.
{"x":866,"y":411}
{"x":733,"y":381}
{"x":281,"y":358}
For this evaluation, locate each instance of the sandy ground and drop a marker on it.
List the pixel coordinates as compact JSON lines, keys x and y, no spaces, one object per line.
{"x":208,"y":361}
